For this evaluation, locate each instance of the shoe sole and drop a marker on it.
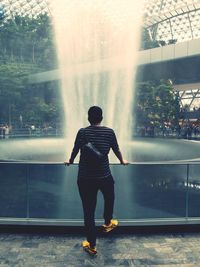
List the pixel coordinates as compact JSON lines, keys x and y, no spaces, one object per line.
{"x":90,"y":252}
{"x":107,"y":230}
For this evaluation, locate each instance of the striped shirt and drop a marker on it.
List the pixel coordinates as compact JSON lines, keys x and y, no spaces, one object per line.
{"x":103,"y":138}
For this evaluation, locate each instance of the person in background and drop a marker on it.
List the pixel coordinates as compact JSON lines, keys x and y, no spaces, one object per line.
{"x":94,"y":174}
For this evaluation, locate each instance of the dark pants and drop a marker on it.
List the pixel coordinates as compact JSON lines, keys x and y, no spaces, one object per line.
{"x":88,"y":189}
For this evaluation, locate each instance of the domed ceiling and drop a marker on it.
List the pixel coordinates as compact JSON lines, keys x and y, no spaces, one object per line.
{"x":166,"y":20}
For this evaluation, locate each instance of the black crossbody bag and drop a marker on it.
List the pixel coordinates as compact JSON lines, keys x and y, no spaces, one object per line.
{"x":91,"y":151}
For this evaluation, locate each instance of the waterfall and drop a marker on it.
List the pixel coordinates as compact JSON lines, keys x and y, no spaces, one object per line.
{"x":97,"y":43}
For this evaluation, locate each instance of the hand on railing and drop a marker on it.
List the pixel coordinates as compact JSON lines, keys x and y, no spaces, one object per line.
{"x":66,"y":163}
{"x":124,"y":162}
{"x":69,"y":162}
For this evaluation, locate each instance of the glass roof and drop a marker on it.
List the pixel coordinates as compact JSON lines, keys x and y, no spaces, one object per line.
{"x":11,"y":8}
{"x":173,"y":19}
{"x":165,"y":19}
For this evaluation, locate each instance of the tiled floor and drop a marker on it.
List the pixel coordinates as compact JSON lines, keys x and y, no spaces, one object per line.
{"x":55,"y":250}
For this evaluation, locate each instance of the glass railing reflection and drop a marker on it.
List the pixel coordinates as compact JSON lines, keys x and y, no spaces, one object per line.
{"x":194,"y":190}
{"x":144,"y":191}
{"x":13,"y":190}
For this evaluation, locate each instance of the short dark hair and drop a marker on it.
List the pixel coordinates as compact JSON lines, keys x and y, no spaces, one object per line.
{"x":95,"y":114}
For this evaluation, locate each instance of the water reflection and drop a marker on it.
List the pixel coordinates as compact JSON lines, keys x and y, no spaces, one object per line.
{"x":58,"y":149}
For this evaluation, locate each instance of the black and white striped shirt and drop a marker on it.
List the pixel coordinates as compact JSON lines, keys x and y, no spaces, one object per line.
{"x":103,"y":138}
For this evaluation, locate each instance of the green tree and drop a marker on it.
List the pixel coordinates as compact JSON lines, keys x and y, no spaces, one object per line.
{"x":12,"y":88}
{"x":156,"y":104}
{"x":26,"y":39}
{"x":26,"y":47}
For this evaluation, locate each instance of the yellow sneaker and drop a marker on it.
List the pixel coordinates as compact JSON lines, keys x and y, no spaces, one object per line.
{"x":113,"y":224}
{"x":88,"y":249}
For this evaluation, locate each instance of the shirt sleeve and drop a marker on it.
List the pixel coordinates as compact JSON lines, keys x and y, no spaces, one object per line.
{"x":77,"y":146}
{"x":114,"y":143}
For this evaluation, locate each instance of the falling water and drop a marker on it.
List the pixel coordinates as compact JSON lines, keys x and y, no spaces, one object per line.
{"x":97,"y":43}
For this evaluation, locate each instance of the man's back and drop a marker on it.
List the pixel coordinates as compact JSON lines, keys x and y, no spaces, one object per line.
{"x":103,"y":138}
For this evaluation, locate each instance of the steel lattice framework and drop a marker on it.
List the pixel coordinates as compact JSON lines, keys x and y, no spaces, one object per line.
{"x":32,"y":8}
{"x":173,"y":19}
{"x":166,"y":20}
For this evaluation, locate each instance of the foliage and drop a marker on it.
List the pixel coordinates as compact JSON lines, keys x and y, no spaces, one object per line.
{"x":17,"y":98}
{"x":26,"y":47}
{"x":156,"y":104}
{"x":25,"y":39}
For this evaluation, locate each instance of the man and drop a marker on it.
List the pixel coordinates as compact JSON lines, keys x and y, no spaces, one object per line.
{"x":94,"y":173}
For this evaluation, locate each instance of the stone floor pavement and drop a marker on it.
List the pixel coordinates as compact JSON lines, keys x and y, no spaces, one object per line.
{"x":139,"y":249}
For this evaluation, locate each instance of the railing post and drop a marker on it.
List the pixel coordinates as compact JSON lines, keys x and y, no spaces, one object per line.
{"x":27,"y":190}
{"x":187,"y":194}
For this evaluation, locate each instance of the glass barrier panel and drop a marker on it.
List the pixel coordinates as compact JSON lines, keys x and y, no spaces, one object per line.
{"x":53,"y":192}
{"x":150,"y":191}
{"x":194,"y":190}
{"x":142,"y":192}
{"x":13,"y":190}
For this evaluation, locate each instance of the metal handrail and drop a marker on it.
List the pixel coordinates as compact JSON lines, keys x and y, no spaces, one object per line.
{"x":168,"y":162}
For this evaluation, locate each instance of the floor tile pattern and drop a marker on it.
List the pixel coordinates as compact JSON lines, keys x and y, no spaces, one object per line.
{"x":60,"y":250}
